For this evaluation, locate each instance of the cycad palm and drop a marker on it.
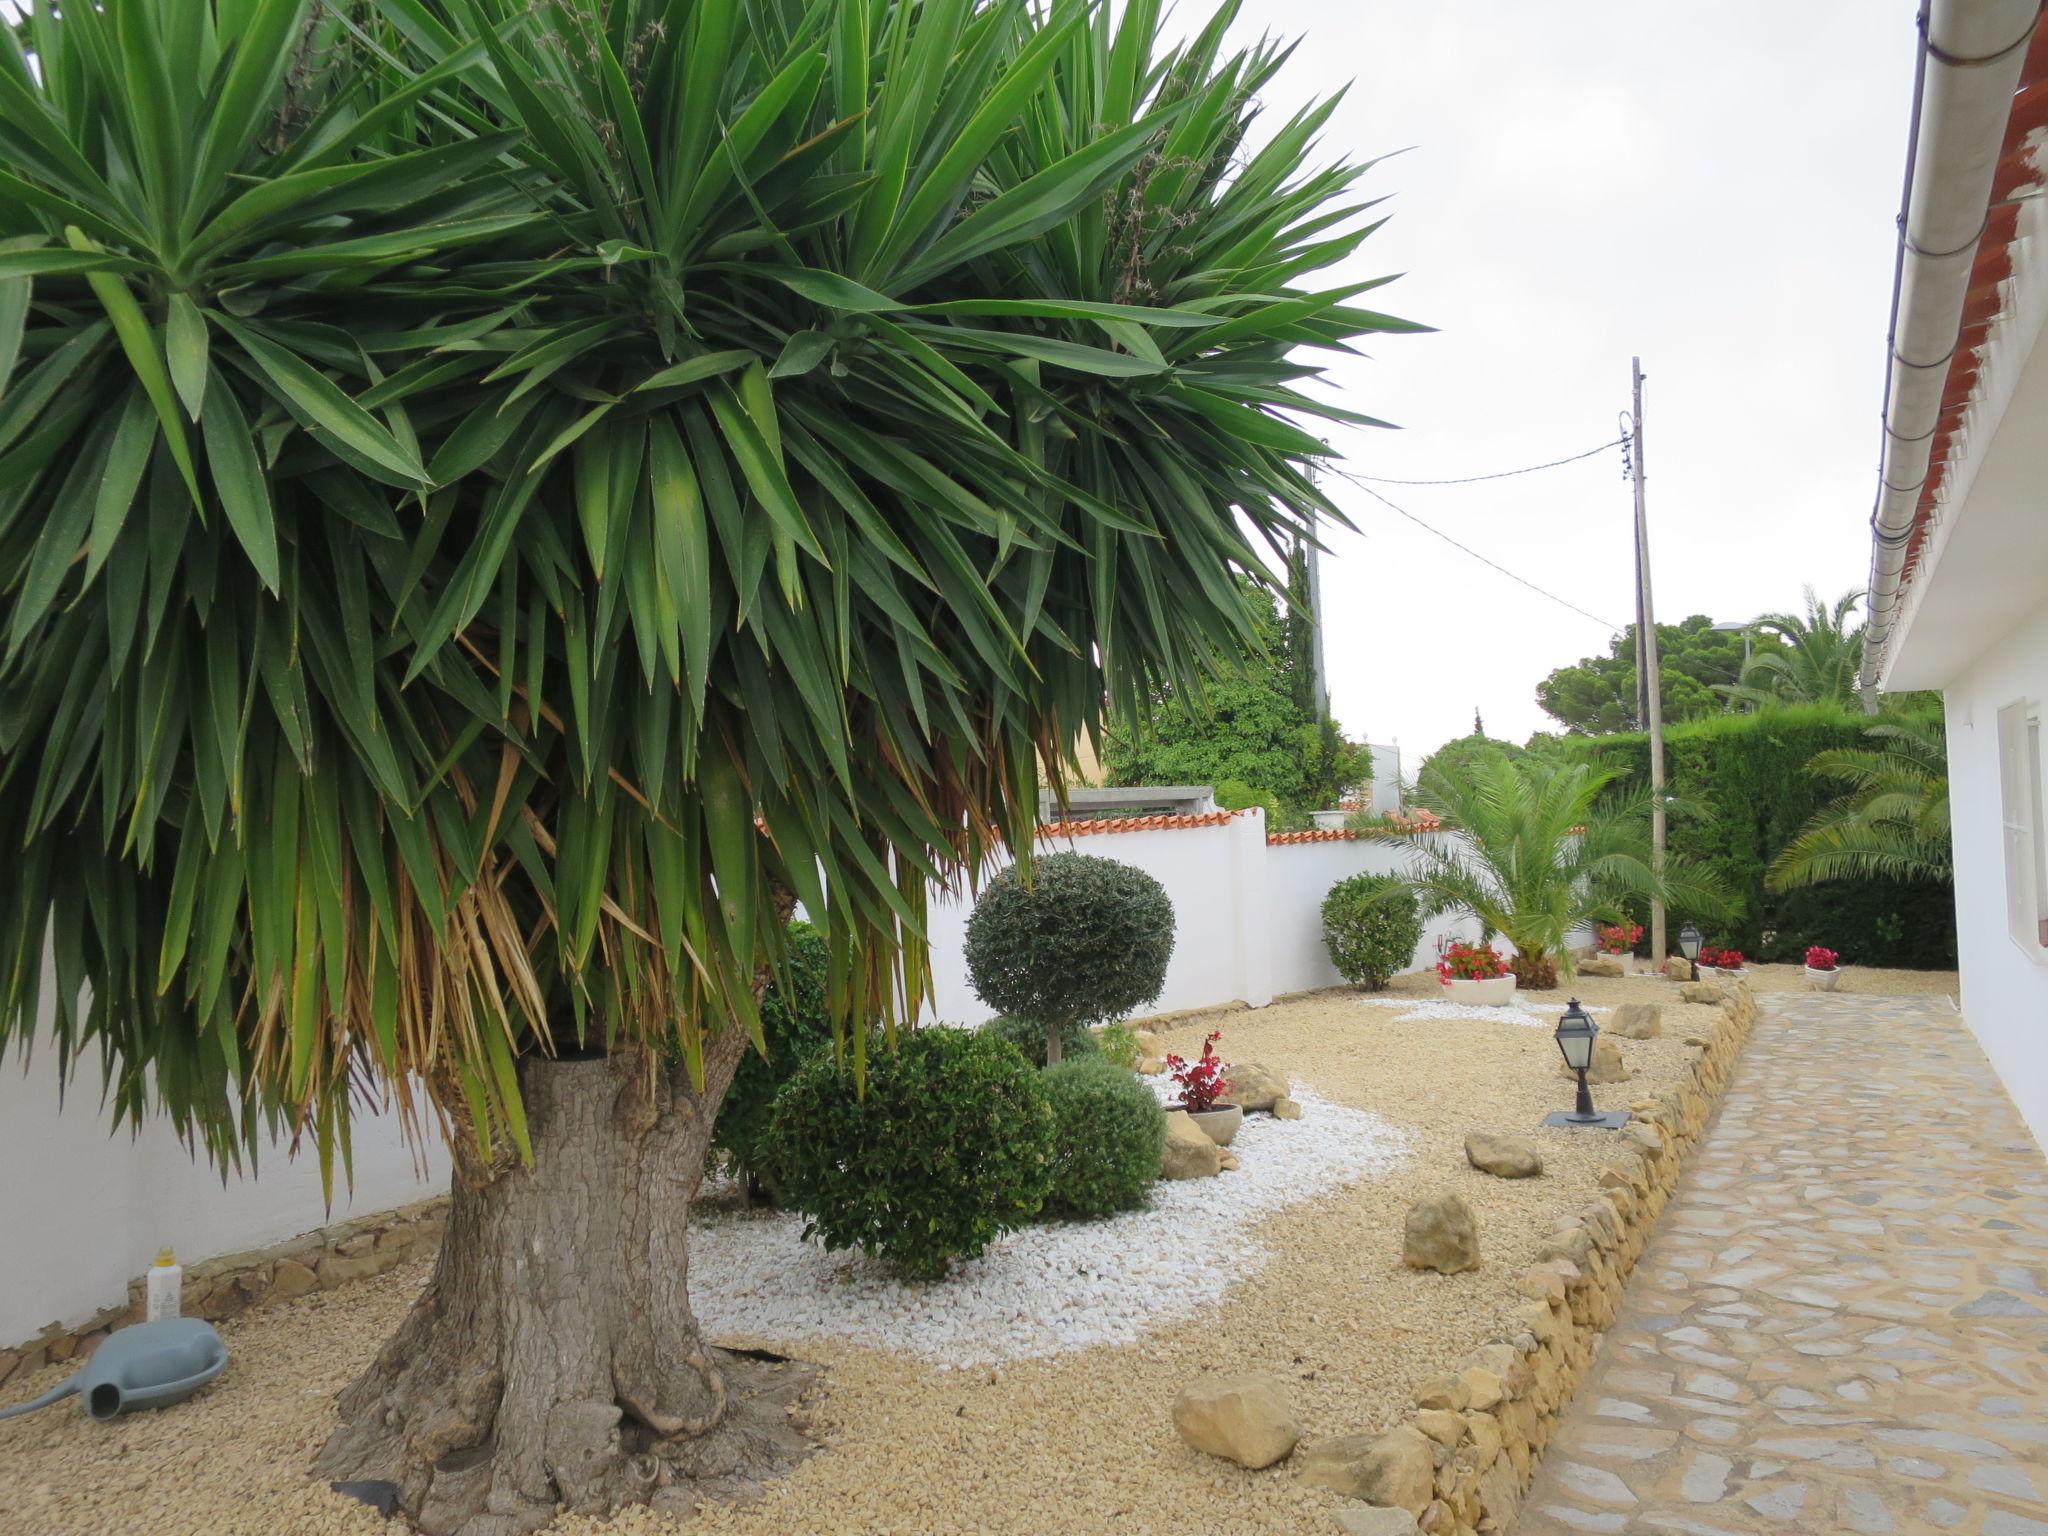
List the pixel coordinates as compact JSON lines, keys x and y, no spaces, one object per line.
{"x":497,"y":500}
{"x":1891,"y":821}
{"x":1535,"y":850}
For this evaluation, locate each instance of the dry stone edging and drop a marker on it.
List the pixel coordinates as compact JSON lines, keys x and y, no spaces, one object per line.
{"x":1508,"y":1395}
{"x":227,"y":1286}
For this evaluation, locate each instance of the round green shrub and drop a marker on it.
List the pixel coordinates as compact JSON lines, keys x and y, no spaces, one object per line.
{"x":1028,"y":1035}
{"x":1371,"y":926}
{"x":1108,"y":1131}
{"x":794,"y":1026}
{"x":1085,"y":940}
{"x":951,"y":1146}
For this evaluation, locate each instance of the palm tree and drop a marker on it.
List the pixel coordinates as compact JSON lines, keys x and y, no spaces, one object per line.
{"x":1891,"y":820}
{"x":1535,"y":850}
{"x":499,"y":501}
{"x":1817,"y":659}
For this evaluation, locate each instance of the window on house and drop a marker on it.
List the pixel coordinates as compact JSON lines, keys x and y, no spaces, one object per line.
{"x":2026,"y":839}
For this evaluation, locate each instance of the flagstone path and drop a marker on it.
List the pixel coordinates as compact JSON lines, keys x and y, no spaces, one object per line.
{"x":1841,"y":1323}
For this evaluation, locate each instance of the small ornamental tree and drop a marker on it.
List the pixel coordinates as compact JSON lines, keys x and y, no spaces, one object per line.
{"x":498,"y":502}
{"x":1070,"y":940}
{"x":1371,"y":925}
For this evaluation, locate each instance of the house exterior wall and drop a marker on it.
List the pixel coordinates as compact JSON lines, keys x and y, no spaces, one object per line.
{"x":2005,"y":990}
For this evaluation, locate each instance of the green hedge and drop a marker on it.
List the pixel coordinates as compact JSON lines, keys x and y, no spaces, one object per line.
{"x":1744,"y":793}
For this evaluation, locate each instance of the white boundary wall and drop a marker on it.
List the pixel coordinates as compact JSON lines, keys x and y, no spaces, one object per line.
{"x":86,"y":1208}
{"x":1247,"y":913}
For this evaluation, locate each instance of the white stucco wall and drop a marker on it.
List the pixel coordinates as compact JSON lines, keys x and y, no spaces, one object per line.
{"x":2005,"y":991}
{"x":86,"y":1208}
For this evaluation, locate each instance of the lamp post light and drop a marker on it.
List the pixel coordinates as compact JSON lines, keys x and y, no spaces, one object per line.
{"x":1576,"y":1033}
{"x":1689,"y":938}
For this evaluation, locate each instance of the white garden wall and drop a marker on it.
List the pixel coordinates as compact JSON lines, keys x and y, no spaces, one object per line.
{"x":86,"y":1209}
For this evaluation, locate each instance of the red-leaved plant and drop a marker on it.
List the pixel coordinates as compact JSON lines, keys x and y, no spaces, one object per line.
{"x":1471,"y":962}
{"x":1819,"y":958}
{"x":1621,"y":938}
{"x":1201,"y":1083}
{"x":1722,"y":959}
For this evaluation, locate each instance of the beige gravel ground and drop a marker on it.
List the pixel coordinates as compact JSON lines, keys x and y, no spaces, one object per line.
{"x":1082,"y":1444}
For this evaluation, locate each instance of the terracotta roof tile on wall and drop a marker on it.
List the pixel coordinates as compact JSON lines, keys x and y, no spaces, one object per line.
{"x":1318,"y":835}
{"x":1091,"y":825}
{"x":1984,"y":303}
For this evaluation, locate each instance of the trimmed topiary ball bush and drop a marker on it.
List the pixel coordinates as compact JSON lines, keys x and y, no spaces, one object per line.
{"x":1085,"y":941}
{"x":1371,"y":925}
{"x":951,"y":1146}
{"x":1108,"y":1131}
{"x":1028,"y":1035}
{"x":794,"y":1025}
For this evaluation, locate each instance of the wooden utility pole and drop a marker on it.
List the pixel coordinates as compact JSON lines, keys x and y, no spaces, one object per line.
{"x":1646,"y":652}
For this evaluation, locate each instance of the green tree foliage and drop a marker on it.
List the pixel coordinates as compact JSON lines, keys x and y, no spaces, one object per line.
{"x":1890,"y":819}
{"x":795,"y":1024}
{"x":950,"y":1146}
{"x":1745,"y":793}
{"x":1597,"y":695}
{"x":495,"y":500}
{"x":1072,"y":940}
{"x":1108,"y":1133}
{"x":1814,"y":657}
{"x":1371,"y":925}
{"x":1249,"y":726}
{"x":1536,"y":850}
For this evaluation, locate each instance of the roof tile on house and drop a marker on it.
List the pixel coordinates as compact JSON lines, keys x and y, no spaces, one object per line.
{"x":1091,"y":825}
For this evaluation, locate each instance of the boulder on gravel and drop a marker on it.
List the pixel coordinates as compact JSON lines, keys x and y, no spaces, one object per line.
{"x":1607,"y":1067}
{"x":1285,"y":1108}
{"x":1188,"y":1153}
{"x":1678,"y":968}
{"x":1255,"y":1087}
{"x":1245,"y":1419}
{"x":1396,"y":1470}
{"x":1505,"y":1157}
{"x":1374,"y":1521}
{"x":1637,"y":1021}
{"x":1442,"y":1234}
{"x":1701,"y":992}
{"x":1602,"y":965}
{"x":1151,"y":1054}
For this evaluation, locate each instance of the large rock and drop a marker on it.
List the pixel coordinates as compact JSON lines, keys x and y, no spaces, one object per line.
{"x":1602,"y":965}
{"x":1441,"y":1234}
{"x":1245,"y":1419}
{"x":1636,"y":1021}
{"x":1188,"y":1152}
{"x":1255,"y":1087}
{"x":1396,"y":1470}
{"x":1678,"y":968}
{"x":1286,"y":1109}
{"x":1701,"y":992}
{"x":1505,"y":1157}
{"x":1151,"y":1054}
{"x":1607,"y":1067}
{"x":1374,"y":1521}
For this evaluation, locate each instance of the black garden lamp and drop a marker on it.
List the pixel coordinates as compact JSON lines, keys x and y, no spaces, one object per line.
{"x":1689,"y":938}
{"x":1576,"y":1033}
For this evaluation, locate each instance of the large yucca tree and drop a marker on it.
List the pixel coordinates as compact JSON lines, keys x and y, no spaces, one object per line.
{"x":498,"y":501}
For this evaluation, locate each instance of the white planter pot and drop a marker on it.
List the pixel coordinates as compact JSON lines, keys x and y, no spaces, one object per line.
{"x":1823,"y":981}
{"x":1493,"y":992}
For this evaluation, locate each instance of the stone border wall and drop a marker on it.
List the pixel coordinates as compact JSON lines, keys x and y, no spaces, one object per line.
{"x":230,"y":1284}
{"x":1460,"y":1463}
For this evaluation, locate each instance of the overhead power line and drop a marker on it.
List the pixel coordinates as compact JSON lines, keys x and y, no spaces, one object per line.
{"x":1497,"y":475}
{"x":1394,"y":506}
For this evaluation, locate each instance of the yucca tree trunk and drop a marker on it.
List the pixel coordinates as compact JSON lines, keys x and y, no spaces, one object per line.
{"x":554,"y":1360}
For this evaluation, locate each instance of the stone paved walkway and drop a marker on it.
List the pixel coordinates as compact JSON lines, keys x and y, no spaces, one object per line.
{"x":1841,"y":1323}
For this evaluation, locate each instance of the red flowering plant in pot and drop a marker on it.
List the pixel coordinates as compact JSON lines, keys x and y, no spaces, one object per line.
{"x":1202,"y":1085}
{"x":1619,"y":938}
{"x":1476,"y":973}
{"x":1727,"y":961}
{"x":1823,"y":968}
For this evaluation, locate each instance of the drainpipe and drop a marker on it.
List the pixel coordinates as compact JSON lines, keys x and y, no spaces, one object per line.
{"x":1971,"y":55}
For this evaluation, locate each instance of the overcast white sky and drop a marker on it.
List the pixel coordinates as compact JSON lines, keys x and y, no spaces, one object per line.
{"x":1710,"y":185}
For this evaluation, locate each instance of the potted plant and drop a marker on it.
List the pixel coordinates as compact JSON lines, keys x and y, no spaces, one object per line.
{"x":1202,"y":1083}
{"x":1618,"y":940}
{"x":1476,"y":974}
{"x":1723,"y":962}
{"x":1823,"y":968}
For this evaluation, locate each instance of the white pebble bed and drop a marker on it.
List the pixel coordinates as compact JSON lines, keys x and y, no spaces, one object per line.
{"x":1048,"y":1289}
{"x":1491,"y":1013}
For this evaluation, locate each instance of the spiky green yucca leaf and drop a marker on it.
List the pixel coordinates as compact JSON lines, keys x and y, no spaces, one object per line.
{"x":498,"y":499}
{"x":1532,"y":850}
